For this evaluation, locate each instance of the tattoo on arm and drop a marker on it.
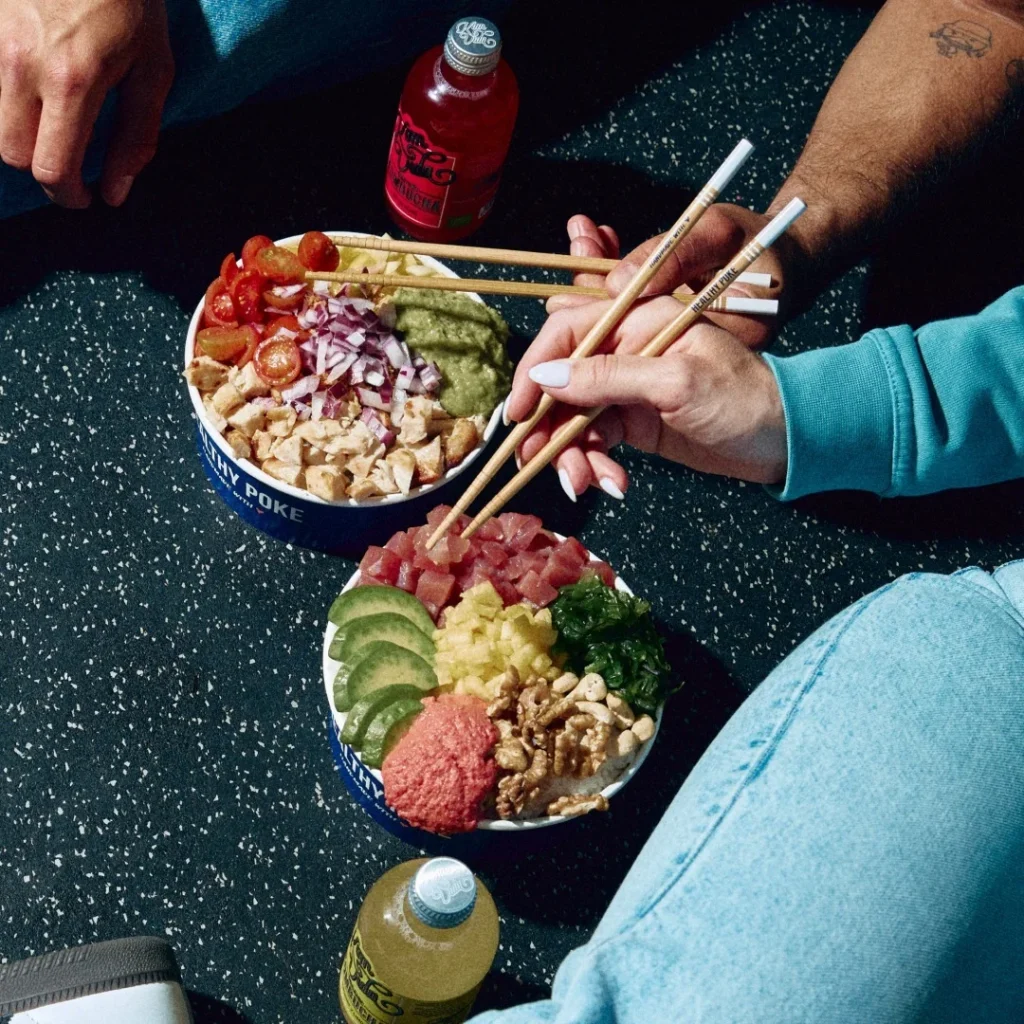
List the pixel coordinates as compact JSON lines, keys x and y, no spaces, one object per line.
{"x":968,"y":37}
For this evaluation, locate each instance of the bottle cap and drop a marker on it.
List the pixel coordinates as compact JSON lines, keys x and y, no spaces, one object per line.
{"x":473,"y":46}
{"x":443,"y":892}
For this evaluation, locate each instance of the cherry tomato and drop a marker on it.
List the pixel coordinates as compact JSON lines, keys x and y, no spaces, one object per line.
{"x":247,"y":291}
{"x":288,"y":302}
{"x":250,"y":349}
{"x":226,"y":343}
{"x":289,"y":322}
{"x":218,"y":307}
{"x":280,"y":265}
{"x":278,"y":362}
{"x":318,"y":252}
{"x":251,"y":248}
{"x":229,"y":269}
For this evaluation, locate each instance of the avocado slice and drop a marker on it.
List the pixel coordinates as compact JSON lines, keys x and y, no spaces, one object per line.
{"x":364,"y":710}
{"x":361,"y":601}
{"x":379,"y":664}
{"x":384,"y":626}
{"x":386,"y":728}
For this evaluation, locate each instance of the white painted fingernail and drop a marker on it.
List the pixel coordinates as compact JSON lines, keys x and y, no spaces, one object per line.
{"x":551,"y":375}
{"x":519,"y":461}
{"x":504,"y":414}
{"x":563,"y":479}
{"x":609,"y":487}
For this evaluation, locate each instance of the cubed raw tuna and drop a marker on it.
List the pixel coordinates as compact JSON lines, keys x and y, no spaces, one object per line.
{"x":535,"y":590}
{"x":491,"y":530}
{"x":381,"y":564}
{"x":408,"y":577}
{"x":523,"y":562}
{"x":605,"y":571}
{"x":493,"y":553}
{"x":435,"y":589}
{"x":403,"y":545}
{"x":573,"y":551}
{"x":436,"y":516}
{"x":560,"y":573}
{"x":520,"y":530}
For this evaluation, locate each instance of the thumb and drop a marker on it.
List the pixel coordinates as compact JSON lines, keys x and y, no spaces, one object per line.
{"x":140,"y":104}
{"x":608,"y":380}
{"x":708,"y":247}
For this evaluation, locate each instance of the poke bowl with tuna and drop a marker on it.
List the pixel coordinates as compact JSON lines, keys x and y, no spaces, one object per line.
{"x":328,"y":414}
{"x":499,"y":683}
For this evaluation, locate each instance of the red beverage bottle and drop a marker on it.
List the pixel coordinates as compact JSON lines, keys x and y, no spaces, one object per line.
{"x":452,"y":133}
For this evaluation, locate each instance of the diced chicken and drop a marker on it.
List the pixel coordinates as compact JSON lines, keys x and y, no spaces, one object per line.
{"x":284,"y":471}
{"x":318,"y":432}
{"x":365,"y":488}
{"x":249,"y":383}
{"x":362,"y":465}
{"x":262,"y":442}
{"x":288,"y":449}
{"x":382,"y":476}
{"x":216,"y":420}
{"x":281,"y":420}
{"x":460,"y":442}
{"x":248,"y":419}
{"x":313,"y":456}
{"x":327,"y":482}
{"x":440,"y":422}
{"x":239,"y":444}
{"x":226,"y":399}
{"x":403,"y":467}
{"x":414,"y":427}
{"x":429,"y":462}
{"x":357,"y":439}
{"x":480,"y":422}
{"x":206,"y":373}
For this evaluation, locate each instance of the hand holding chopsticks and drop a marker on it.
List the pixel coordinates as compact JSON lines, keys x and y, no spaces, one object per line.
{"x":596,"y":336}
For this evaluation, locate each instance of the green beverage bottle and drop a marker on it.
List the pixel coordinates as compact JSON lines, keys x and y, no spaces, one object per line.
{"x":423,"y":942}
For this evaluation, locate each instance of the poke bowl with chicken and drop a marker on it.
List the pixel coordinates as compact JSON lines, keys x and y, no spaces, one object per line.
{"x":499,"y":683}
{"x":330,"y":414}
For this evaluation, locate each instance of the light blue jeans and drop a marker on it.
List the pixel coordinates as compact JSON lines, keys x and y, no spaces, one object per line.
{"x":227,"y":51}
{"x":850,"y":849}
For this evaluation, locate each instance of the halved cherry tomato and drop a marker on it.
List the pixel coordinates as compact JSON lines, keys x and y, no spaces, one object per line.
{"x":280,"y":265}
{"x":250,"y":349}
{"x":218,"y":307}
{"x":229,"y":269}
{"x":289,"y":322}
{"x":251,"y":248}
{"x":318,"y":252}
{"x":286,"y":302}
{"x":278,"y":362}
{"x":225,"y":343}
{"x":247,"y":291}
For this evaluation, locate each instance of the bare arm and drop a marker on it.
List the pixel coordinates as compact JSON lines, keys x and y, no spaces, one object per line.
{"x":929,"y":85}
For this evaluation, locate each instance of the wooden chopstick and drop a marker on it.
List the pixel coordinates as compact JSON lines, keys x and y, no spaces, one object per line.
{"x":512,"y":257}
{"x":603,"y":327}
{"x":573,"y":427}
{"x":533,"y":289}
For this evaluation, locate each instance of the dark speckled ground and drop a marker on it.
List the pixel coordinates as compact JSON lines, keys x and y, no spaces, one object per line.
{"x":163,"y":760}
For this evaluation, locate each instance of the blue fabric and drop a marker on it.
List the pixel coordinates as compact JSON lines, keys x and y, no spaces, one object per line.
{"x":850,"y":846}
{"x":909,"y":412}
{"x":227,"y":51}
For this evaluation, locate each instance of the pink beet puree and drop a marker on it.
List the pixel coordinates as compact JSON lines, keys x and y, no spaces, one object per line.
{"x":441,"y":770}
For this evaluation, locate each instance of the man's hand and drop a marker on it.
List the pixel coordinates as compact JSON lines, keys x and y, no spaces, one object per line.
{"x":58,"y":60}
{"x":717,"y":238}
{"x":709,"y":402}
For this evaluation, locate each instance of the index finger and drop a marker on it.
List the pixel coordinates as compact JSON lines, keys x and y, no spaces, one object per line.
{"x":65,"y":126}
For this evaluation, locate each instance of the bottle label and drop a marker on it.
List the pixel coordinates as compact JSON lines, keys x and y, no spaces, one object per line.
{"x":420,"y":174}
{"x":367,"y":1000}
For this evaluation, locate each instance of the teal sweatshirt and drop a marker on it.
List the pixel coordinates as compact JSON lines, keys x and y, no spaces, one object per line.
{"x":908,"y":412}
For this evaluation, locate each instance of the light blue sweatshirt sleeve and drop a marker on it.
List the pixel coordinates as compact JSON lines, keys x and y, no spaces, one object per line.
{"x":904,"y":412}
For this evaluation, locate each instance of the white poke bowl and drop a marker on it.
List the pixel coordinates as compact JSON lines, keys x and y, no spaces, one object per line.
{"x":367,"y":784}
{"x":294,"y":515}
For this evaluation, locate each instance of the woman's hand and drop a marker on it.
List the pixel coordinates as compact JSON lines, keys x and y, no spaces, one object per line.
{"x":58,"y":61}
{"x":717,"y":238}
{"x":708,"y":402}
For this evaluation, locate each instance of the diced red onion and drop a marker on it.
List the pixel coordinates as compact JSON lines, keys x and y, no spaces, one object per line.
{"x":302,"y":410}
{"x":375,"y":378}
{"x":430,"y":377}
{"x":264,"y":402}
{"x":322,"y":287}
{"x":371,"y":399}
{"x":406,"y":375}
{"x":321,"y":358}
{"x":286,"y":333}
{"x":419,"y":362}
{"x":302,"y":387}
{"x":340,"y":369}
{"x":318,"y":404}
{"x":394,"y":353}
{"x":377,"y":427}
{"x":398,"y":399}
{"x":286,"y":291}
{"x":307,"y":319}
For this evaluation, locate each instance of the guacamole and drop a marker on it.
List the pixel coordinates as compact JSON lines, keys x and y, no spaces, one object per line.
{"x":467,"y":341}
